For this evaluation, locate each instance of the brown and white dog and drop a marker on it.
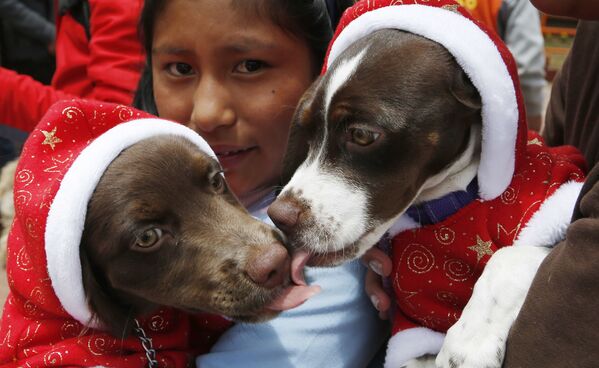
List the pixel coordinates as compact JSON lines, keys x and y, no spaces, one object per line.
{"x":406,"y":113}
{"x":125,"y":230}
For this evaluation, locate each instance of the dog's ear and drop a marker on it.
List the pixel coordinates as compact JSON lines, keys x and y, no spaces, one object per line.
{"x":105,"y":307}
{"x":464,"y":91}
{"x":299,"y":132}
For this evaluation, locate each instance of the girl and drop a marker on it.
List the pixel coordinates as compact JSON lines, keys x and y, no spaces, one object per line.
{"x":234,"y":71}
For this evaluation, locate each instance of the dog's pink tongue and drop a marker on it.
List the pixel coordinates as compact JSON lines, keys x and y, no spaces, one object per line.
{"x":297,"y":294}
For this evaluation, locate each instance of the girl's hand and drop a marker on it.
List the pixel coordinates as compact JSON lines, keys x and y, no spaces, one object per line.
{"x":379,"y":265}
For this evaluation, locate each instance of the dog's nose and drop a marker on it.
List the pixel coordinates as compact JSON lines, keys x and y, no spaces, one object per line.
{"x":284,"y":214}
{"x":271,"y":267}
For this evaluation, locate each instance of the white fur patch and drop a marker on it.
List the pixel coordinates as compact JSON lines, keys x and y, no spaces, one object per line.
{"x":410,"y":344}
{"x":338,"y":208}
{"x":341,"y":75}
{"x":549,"y":224}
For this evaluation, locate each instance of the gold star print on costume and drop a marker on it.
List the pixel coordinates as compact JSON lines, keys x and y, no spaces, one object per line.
{"x":51,"y":139}
{"x":481,"y":248}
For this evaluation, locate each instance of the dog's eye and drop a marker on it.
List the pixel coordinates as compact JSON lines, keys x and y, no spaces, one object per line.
{"x":148,"y":238}
{"x":362,"y":137}
{"x":217,"y":182}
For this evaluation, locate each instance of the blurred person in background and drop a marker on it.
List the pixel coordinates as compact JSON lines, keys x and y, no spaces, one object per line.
{"x":98,"y":56}
{"x":27,"y":37}
{"x":27,"y":34}
{"x":518,"y":24}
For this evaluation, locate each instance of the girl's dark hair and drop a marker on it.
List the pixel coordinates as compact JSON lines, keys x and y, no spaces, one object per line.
{"x":310,"y":20}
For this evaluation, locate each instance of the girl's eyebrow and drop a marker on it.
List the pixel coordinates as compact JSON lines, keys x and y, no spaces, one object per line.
{"x":169,"y":50}
{"x":240,"y":45}
{"x":246,"y":43}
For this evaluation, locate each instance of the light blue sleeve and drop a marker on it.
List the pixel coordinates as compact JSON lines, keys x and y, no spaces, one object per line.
{"x":336,"y":328}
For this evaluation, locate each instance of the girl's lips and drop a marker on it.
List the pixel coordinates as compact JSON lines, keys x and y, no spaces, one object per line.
{"x":230,"y":157}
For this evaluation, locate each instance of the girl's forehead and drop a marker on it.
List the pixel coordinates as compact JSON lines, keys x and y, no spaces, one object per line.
{"x":218,"y":22}
{"x":232,"y":13}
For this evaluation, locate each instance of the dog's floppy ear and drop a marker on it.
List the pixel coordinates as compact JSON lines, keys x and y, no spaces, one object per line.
{"x":105,"y":307}
{"x":299,"y":132}
{"x":464,"y":91}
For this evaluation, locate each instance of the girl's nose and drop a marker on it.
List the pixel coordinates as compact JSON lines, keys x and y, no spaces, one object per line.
{"x":212,"y":107}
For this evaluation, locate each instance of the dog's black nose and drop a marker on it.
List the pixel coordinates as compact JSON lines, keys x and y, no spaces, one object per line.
{"x":269,"y":267}
{"x":285,"y":214}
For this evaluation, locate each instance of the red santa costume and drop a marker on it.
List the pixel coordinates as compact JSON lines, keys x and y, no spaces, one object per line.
{"x":46,"y":320}
{"x":526,"y":191}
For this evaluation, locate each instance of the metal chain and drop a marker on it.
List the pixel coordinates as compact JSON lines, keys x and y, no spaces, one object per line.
{"x":146,"y":343}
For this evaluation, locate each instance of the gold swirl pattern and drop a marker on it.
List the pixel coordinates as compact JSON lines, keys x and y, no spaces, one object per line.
{"x":98,"y":345}
{"x":509,"y":196}
{"x":457,"y":270}
{"x":24,"y":261}
{"x":418,"y":258}
{"x":157,"y":323}
{"x":22,"y":198}
{"x":445,"y":235}
{"x":24,"y":177}
{"x":72,"y":114}
{"x":123,"y":112}
{"x":53,"y":359}
{"x":30,"y":334}
{"x":545,"y":158}
{"x":70,"y":329}
{"x":30,"y":309}
{"x":37,"y":295}
{"x":6,"y":339}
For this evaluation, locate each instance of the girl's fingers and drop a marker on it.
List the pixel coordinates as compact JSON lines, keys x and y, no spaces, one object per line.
{"x":378,"y":297}
{"x":378,"y":261}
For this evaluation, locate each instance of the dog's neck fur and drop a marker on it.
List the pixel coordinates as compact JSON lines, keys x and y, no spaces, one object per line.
{"x":457,"y":176}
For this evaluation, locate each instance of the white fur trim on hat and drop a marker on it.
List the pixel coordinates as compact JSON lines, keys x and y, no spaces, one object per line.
{"x":66,"y":216}
{"x":549,"y":224}
{"x":412,"y":343}
{"x":478,"y":55}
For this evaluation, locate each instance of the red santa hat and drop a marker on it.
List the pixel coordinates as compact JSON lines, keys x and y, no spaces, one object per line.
{"x":61,"y":164}
{"x":484,"y":58}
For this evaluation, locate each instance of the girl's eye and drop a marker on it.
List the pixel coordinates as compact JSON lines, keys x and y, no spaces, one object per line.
{"x":362,"y":137}
{"x":148,"y":238}
{"x":180,"y":69}
{"x":249,"y":66}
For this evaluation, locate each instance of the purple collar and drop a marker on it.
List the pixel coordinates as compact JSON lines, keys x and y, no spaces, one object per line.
{"x":439,"y":209}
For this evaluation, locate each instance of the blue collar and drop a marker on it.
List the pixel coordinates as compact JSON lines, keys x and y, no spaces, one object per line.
{"x":439,"y":209}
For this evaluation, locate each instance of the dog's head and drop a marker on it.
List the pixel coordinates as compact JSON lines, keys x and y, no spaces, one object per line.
{"x":162,"y":228}
{"x":392,"y":118}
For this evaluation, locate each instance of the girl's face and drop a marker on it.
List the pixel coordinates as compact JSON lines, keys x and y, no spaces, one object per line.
{"x":235,"y":79}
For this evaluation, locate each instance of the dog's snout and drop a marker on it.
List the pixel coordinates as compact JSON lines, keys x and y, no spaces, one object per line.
{"x":269,"y":268}
{"x":285,"y":214}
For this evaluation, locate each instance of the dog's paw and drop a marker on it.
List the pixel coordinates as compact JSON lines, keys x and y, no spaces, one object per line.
{"x":426,"y":361}
{"x":478,"y":338}
{"x":478,"y":346}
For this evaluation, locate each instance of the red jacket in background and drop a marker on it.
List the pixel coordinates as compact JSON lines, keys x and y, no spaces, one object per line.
{"x":106,"y":67}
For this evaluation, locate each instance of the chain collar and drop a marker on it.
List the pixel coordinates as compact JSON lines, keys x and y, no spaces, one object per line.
{"x":146,"y":343}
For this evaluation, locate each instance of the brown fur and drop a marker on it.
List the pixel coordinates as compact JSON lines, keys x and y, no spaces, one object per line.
{"x":208,"y":248}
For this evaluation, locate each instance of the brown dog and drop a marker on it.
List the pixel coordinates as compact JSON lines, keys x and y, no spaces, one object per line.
{"x":389,"y":139}
{"x":415,"y":133}
{"x":163,"y":228}
{"x":128,"y":245}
